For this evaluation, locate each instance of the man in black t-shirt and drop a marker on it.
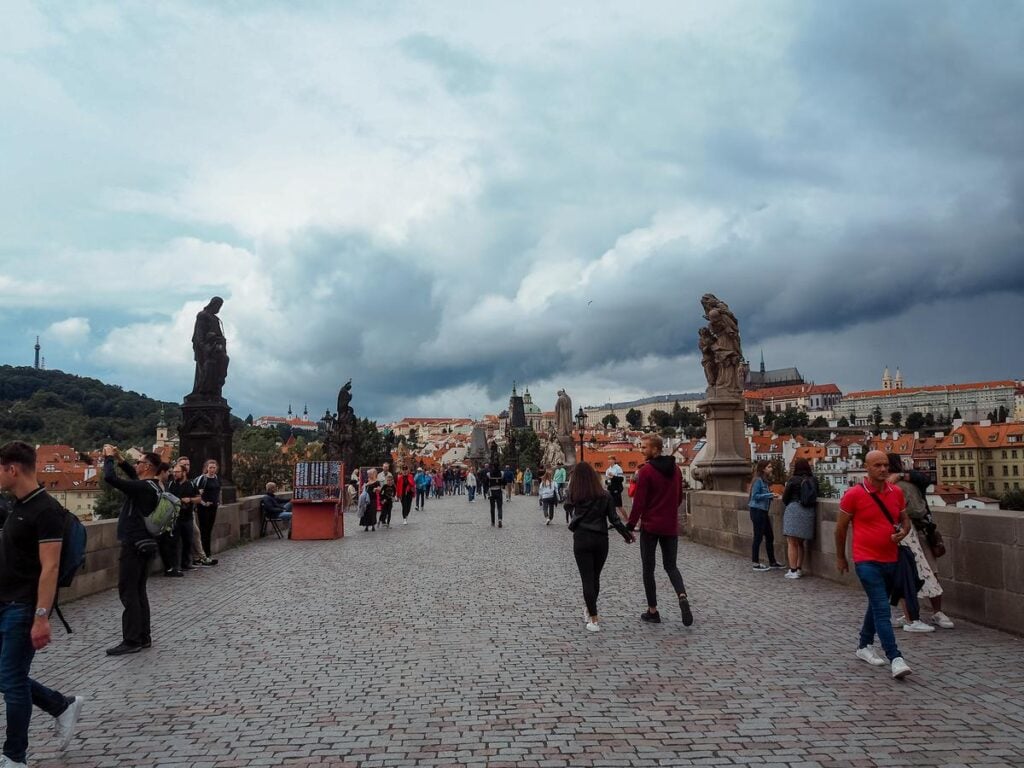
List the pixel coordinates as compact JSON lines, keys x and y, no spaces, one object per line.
{"x":29,"y":564}
{"x":495,"y":479}
{"x":183,"y":488}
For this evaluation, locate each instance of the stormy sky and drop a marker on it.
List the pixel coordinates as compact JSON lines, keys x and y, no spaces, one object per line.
{"x":436,"y":199}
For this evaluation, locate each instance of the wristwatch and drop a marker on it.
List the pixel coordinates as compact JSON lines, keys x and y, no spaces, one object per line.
{"x":41,"y":612}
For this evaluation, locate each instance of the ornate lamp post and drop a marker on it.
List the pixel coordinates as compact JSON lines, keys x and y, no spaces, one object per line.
{"x":581,"y":423}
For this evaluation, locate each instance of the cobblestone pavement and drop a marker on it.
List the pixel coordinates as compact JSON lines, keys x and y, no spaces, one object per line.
{"x":447,"y":642}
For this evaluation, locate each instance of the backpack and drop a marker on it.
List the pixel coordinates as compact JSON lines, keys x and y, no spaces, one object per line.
{"x":808,"y":492}
{"x":917,"y":509}
{"x":72,"y":558}
{"x":163,"y":519}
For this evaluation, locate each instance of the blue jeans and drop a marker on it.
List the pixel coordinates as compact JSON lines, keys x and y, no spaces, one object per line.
{"x":471,"y":489}
{"x":20,"y":691}
{"x":877,"y":580}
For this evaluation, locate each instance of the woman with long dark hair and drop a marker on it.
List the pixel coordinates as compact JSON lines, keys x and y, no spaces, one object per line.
{"x":592,"y":513}
{"x":801,"y":500}
{"x":760,"y":502}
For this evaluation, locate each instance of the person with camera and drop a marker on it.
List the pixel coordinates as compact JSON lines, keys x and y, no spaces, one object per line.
{"x":29,"y":566}
{"x":138,"y":547}
{"x":591,"y":511}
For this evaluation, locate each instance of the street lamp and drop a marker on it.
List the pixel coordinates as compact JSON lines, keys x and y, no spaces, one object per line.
{"x":581,"y":423}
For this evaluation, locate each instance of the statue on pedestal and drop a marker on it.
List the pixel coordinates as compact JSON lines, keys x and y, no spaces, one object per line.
{"x":209,"y":349}
{"x":721,"y":353}
{"x":563,"y":414}
{"x":340,"y":442}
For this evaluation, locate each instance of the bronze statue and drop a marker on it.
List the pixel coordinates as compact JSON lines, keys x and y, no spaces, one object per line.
{"x":209,"y":348}
{"x":563,"y":414}
{"x":345,"y":397}
{"x":722,"y":356}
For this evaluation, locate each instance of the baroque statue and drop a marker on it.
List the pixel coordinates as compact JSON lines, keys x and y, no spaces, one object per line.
{"x":563,"y":414}
{"x":209,"y":349}
{"x":721,"y":354}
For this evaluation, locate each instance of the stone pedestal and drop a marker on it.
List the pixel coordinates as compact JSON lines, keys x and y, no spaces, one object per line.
{"x":725,"y":465}
{"x":568,"y":449}
{"x":205,"y":433}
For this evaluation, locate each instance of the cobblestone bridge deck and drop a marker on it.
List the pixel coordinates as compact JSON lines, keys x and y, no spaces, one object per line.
{"x":447,"y":642}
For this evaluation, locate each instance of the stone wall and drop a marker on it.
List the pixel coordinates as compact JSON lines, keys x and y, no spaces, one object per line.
{"x":982,"y":572}
{"x":236,"y":523}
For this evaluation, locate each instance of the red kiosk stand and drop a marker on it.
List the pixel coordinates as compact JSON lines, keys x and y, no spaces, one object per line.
{"x":318,"y":500}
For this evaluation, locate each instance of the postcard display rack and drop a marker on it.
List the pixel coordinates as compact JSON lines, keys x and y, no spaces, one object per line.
{"x":318,"y":500}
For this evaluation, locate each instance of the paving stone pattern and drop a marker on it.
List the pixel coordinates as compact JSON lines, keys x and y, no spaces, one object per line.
{"x":448,"y":642}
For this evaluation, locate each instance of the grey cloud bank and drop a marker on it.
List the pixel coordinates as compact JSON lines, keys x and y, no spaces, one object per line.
{"x":436,"y":202}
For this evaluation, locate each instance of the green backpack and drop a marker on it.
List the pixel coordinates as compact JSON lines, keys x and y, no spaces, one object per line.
{"x":163,"y":519}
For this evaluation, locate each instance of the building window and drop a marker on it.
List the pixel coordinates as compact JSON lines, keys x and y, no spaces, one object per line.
{"x":988,"y":471}
{"x":1013,"y":454}
{"x":944,"y":472}
{"x":1004,"y":454}
{"x":1016,"y":470}
{"x":962,"y":472}
{"x":1006,"y":470}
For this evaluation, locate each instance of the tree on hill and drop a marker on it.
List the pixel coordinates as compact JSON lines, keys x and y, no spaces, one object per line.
{"x":370,"y":448}
{"x":791,"y":418}
{"x":896,"y":418}
{"x":634,"y":418}
{"x":843,"y":422}
{"x":820,"y":422}
{"x":876,"y":417}
{"x":956,"y":413}
{"x":915,"y":420}
{"x":929,"y":419}
{"x":611,"y":421}
{"x":1012,"y":500}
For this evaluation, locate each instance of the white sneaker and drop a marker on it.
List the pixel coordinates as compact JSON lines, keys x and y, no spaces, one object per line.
{"x":593,"y":626}
{"x":405,"y":521}
{"x":900,"y":668}
{"x":793,"y":574}
{"x":918,"y":626}
{"x":870,"y":655}
{"x":64,"y":724}
{"x":6,"y":762}
{"x":940,"y":619}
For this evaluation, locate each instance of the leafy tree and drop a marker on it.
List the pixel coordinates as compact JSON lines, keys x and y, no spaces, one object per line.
{"x":843,"y":422}
{"x":820,"y":422}
{"x":108,"y":503}
{"x":876,"y":417}
{"x":1002,"y":415}
{"x":1012,"y":500}
{"x":611,"y":421}
{"x":769,"y":418}
{"x":929,"y":419}
{"x":956,"y":414}
{"x":754,"y":422}
{"x":853,"y":417}
{"x":779,"y":473}
{"x":370,"y":449}
{"x":522,"y":450}
{"x":634,"y":418}
{"x":896,"y":418}
{"x":257,"y":439}
{"x":668,"y":431}
{"x":659,"y":418}
{"x":915,"y":420}
{"x":252,"y":470}
{"x":791,"y":418}
{"x":825,"y":488}
{"x":249,"y":419}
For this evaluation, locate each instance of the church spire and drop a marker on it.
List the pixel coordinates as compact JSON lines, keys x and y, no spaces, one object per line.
{"x":762,"y":361}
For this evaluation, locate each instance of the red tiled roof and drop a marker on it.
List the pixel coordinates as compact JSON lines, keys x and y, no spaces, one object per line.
{"x":792,"y":390}
{"x":931,"y":388}
{"x":977,"y":436}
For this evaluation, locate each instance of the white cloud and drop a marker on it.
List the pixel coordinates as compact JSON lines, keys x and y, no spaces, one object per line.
{"x":71,"y":331}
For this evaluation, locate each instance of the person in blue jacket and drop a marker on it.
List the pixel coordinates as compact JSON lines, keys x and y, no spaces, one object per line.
{"x":761,"y":497}
{"x":422,"y":482}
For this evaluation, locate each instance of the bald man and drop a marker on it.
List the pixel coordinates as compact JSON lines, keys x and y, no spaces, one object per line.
{"x":876,"y":538}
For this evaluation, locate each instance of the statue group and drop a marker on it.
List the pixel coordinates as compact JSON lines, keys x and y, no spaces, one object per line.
{"x":210,"y":351}
{"x":340,"y":441}
{"x":719,"y":342}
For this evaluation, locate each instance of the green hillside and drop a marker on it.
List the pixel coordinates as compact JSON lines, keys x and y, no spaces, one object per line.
{"x":40,"y":406}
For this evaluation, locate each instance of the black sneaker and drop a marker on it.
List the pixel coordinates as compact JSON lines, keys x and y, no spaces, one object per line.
{"x":776,"y":565}
{"x":123,"y":648}
{"x":499,"y":523}
{"x":651,"y":618}
{"x":684,"y":609}
{"x":174,"y":574}
{"x":147,"y":644}
{"x":188,"y":567}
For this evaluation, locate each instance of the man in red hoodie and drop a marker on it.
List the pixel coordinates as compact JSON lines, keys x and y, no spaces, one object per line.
{"x":659,"y":491}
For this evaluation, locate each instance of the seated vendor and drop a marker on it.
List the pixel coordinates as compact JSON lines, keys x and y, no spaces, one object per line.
{"x":275,"y":508}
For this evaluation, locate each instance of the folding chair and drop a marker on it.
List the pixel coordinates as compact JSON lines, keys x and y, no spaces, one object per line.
{"x":274,"y":518}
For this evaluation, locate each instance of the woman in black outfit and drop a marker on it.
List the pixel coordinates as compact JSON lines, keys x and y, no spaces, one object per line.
{"x":592,"y":512}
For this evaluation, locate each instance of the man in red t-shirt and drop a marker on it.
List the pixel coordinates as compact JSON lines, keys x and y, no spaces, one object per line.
{"x":875,"y":553}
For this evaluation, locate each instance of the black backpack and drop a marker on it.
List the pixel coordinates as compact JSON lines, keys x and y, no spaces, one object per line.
{"x":72,"y":558}
{"x":808,"y":492}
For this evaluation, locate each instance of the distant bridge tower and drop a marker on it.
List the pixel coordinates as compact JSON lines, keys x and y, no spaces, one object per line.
{"x":37,"y":353}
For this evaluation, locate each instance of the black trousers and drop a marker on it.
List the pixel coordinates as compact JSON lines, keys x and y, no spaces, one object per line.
{"x":167,"y":543}
{"x":549,"y":508}
{"x":591,"y":552}
{"x":131,"y":587}
{"x":385,"y":512}
{"x":421,"y":498}
{"x":406,"y":505}
{"x":207,"y":519}
{"x":762,"y":530}
{"x":185,"y":533}
{"x":495,"y":499}
{"x":649,"y":543}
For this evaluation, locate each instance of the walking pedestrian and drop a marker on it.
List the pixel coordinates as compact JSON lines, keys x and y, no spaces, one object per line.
{"x":508,"y":479}
{"x":405,"y":487}
{"x":495,"y":486}
{"x":387,"y":494}
{"x":368,"y":518}
{"x":30,"y":550}
{"x":471,"y":484}
{"x":914,"y":484}
{"x":614,"y":480}
{"x":801,"y":501}
{"x":547,"y":498}
{"x":760,"y":501}
{"x":592,"y":512}
{"x":528,"y":482}
{"x":560,"y":480}
{"x":422,"y":480}
{"x":137,"y":545}
{"x":867,"y":508}
{"x":659,"y":492}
